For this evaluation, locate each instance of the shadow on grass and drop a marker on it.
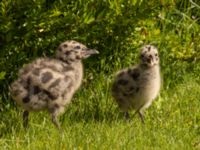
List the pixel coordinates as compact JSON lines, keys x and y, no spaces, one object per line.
{"x":74,"y":116}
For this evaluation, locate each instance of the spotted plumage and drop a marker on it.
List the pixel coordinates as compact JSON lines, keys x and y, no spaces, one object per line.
{"x":136,"y":87}
{"x":49,"y":83}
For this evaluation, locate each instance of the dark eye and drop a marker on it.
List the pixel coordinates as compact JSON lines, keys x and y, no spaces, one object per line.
{"x":65,"y":45}
{"x":77,"y":47}
{"x":156,"y":54}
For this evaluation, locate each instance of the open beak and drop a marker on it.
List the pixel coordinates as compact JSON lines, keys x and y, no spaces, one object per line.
{"x":151,"y":61}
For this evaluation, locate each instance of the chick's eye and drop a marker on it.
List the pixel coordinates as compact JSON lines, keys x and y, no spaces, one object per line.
{"x":77,"y":47}
{"x":156,"y":54}
{"x":65,"y":45}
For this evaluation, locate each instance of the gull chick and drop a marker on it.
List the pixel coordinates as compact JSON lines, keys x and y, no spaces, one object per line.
{"x":136,"y":87}
{"x":50,"y":83}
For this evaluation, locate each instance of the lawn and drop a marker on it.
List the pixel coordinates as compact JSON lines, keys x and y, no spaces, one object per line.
{"x":117,"y":29}
{"x":172,"y":122}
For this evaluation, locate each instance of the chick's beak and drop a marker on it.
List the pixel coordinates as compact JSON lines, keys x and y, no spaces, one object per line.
{"x":87,"y":52}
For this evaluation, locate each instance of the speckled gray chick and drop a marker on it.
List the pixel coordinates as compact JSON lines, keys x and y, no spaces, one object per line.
{"x":136,"y":87}
{"x":50,"y":83}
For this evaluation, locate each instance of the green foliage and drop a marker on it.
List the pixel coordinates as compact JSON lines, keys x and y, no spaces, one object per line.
{"x":35,"y":28}
{"x":117,"y":28}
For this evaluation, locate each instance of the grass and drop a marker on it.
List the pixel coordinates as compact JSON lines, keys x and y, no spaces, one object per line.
{"x":92,"y":121}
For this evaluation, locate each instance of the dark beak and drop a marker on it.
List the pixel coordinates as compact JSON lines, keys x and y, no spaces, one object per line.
{"x":88,"y":52}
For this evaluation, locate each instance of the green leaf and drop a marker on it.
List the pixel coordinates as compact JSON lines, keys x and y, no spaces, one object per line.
{"x":2,"y":75}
